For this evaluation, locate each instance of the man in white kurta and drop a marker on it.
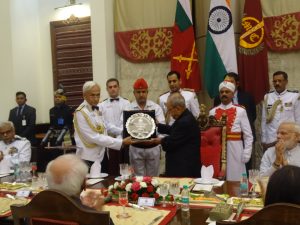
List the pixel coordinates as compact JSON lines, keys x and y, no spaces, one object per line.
{"x":279,"y":105}
{"x":13,"y":148}
{"x":239,"y":134}
{"x":145,"y":160}
{"x":112,"y":110}
{"x":90,"y":130}
{"x":285,"y":152}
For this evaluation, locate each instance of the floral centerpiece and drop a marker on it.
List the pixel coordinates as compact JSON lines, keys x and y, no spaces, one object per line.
{"x":136,"y":187}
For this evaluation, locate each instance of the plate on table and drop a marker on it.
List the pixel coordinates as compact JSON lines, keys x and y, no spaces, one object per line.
{"x":206,"y":180}
{"x":101,"y":175}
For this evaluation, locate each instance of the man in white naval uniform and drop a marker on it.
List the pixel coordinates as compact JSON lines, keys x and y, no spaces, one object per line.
{"x":145,"y":159}
{"x":285,"y":152}
{"x":90,"y":130}
{"x":279,"y":105}
{"x":239,"y":134}
{"x":112,"y":110}
{"x":13,"y":148}
{"x":189,"y":96}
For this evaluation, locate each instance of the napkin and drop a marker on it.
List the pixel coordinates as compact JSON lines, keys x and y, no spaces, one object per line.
{"x":95,"y":170}
{"x":5,"y":166}
{"x":207,"y":172}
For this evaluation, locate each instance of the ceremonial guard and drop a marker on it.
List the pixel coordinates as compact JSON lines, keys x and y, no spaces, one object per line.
{"x":90,"y":131}
{"x":279,"y":106}
{"x":189,"y":95}
{"x":13,"y":148}
{"x":239,"y":134}
{"x":112,"y":111}
{"x":145,"y":159}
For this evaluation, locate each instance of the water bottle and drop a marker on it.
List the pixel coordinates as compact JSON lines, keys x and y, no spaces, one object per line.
{"x":185,"y":199}
{"x":244,"y":185}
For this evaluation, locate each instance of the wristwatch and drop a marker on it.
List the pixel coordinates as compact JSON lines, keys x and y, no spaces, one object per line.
{"x":276,"y":166}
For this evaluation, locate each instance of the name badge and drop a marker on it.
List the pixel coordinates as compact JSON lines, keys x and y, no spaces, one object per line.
{"x":60,"y":121}
{"x":143,"y":201}
{"x":23,"y":193}
{"x":24,"y":122}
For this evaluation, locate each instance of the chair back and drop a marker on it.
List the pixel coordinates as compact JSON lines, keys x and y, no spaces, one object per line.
{"x":54,"y":207}
{"x":213,"y":142}
{"x":275,"y":214}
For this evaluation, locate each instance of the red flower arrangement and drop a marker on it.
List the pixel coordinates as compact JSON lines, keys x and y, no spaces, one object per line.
{"x":136,"y":187}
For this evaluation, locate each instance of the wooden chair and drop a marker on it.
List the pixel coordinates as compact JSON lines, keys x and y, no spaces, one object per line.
{"x":275,"y":214}
{"x":213,"y":142}
{"x":52,"y":207}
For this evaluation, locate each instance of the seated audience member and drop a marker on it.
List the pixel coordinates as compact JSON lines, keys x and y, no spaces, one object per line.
{"x":285,"y":152}
{"x":13,"y":148}
{"x":67,"y":173}
{"x":182,"y":143}
{"x":284,"y":186}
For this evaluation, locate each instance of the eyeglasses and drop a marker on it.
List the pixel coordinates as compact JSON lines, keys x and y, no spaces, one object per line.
{"x":2,"y":133}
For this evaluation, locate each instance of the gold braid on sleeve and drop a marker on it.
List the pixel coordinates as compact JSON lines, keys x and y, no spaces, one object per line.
{"x":271,"y":113}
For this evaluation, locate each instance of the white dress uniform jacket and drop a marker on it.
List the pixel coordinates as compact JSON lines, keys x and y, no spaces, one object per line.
{"x":146,"y":160}
{"x":239,"y":150}
{"x":288,"y":109}
{"x":191,"y":103}
{"x":266,"y":166}
{"x":112,"y":114}
{"x":90,"y":134}
{"x":22,"y":148}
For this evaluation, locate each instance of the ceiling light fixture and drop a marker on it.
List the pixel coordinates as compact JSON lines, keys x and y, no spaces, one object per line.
{"x":70,"y":3}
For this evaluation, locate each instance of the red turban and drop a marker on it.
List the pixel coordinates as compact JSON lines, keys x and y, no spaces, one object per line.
{"x":140,"y":84}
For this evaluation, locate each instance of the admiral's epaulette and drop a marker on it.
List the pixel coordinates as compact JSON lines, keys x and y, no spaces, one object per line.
{"x":79,"y":108}
{"x":103,"y":100}
{"x":271,"y":91}
{"x":126,"y":98}
{"x":293,"y":91}
{"x":188,"y":89}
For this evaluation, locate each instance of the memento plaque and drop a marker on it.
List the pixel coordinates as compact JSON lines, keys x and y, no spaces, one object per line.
{"x":139,"y":124}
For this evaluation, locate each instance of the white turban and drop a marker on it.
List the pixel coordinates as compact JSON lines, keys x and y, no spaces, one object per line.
{"x":227,"y":84}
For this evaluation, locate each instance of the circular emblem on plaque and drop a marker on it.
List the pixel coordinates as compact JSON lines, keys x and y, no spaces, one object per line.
{"x":219,"y":20}
{"x":140,"y":125}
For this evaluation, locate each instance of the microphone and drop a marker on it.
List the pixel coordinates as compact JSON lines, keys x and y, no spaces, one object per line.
{"x":48,"y":134}
{"x":61,"y":135}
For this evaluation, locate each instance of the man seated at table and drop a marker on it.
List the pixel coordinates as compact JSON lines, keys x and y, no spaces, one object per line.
{"x":285,"y":152}
{"x":13,"y":148}
{"x":67,"y":174}
{"x":183,"y":143}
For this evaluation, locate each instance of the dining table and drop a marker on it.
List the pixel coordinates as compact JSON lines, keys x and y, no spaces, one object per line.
{"x":198,"y":213}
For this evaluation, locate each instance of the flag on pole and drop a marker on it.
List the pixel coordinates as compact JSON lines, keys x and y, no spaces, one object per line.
{"x":184,"y":57}
{"x":253,"y":58}
{"x":220,"y":53}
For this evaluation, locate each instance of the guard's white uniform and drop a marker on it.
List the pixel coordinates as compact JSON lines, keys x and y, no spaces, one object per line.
{"x":90,"y":134}
{"x":238,"y":150}
{"x":145,"y":161}
{"x":21,"y":145}
{"x":112,"y":114}
{"x":191,"y":103}
{"x":288,"y":109}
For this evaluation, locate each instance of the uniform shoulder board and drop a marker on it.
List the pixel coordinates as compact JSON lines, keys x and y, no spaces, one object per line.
{"x":188,"y":89}
{"x":293,"y":91}
{"x":125,"y":98}
{"x":103,"y":100}
{"x":164,"y":93}
{"x":239,"y":106}
{"x":79,"y":107}
{"x":271,"y":91}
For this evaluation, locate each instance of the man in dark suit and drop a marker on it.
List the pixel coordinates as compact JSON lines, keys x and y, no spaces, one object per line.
{"x":23,"y":117}
{"x":182,"y":146}
{"x":244,"y":99}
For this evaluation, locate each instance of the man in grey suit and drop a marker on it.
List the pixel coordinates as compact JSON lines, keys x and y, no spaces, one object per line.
{"x":23,"y":117}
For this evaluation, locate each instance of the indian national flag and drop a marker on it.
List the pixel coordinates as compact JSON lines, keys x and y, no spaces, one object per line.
{"x":184,"y":57}
{"x":220,"y":54}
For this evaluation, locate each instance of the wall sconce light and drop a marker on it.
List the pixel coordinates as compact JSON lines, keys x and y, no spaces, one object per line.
{"x":70,"y":3}
{"x":72,"y":11}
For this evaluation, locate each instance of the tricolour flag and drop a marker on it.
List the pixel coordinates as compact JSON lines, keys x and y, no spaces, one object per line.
{"x":220,"y":53}
{"x":184,"y":57}
{"x":253,"y":57}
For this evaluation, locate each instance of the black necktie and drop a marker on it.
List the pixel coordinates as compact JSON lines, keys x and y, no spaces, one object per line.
{"x":114,"y":99}
{"x":95,"y":107}
{"x":19,"y":111}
